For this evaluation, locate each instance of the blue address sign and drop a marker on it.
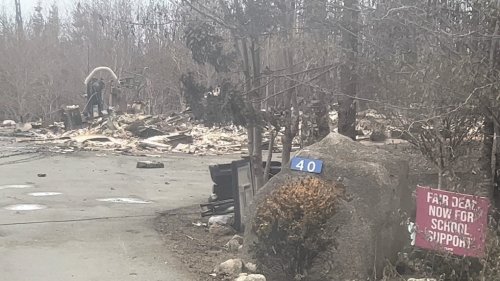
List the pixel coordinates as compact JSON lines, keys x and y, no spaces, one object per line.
{"x":306,"y":165}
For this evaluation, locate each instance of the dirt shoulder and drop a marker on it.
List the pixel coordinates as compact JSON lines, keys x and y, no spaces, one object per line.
{"x":197,"y":249}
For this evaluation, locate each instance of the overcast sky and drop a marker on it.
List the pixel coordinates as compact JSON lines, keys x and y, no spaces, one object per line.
{"x":28,"y":5}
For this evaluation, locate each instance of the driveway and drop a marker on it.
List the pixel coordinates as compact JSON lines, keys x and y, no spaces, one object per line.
{"x":96,"y":216}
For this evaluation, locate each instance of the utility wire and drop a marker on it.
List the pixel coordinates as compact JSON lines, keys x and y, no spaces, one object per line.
{"x":76,"y":220}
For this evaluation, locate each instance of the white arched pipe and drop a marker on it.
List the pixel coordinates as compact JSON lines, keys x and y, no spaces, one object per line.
{"x":99,"y":69}
{"x":110,"y":71}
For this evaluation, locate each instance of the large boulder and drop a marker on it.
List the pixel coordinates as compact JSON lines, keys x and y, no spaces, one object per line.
{"x":367,"y":224}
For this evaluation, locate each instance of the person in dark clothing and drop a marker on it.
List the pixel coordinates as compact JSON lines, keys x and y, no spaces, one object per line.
{"x":94,"y":96}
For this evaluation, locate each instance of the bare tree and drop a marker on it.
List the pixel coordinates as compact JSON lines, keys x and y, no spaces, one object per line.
{"x":348,"y":76}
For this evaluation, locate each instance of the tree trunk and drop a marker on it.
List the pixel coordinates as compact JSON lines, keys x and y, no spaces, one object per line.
{"x":322,"y":118}
{"x":250,"y":138}
{"x":316,"y":14}
{"x":440,"y":178}
{"x":348,"y":77}
{"x":496,"y":166}
{"x":291,"y":125}
{"x":486,"y":181}
{"x":289,"y":99}
{"x":272,"y":136}
{"x":19,"y":21}
{"x":258,"y":169}
{"x":486,"y":187}
{"x":287,"y":146}
{"x":251,"y":65}
{"x":254,"y":135}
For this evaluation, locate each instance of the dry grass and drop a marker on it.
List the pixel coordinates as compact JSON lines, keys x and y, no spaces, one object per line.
{"x":446,"y":267}
{"x":289,"y":225}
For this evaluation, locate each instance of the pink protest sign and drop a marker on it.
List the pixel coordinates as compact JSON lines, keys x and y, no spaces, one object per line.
{"x":452,"y":222}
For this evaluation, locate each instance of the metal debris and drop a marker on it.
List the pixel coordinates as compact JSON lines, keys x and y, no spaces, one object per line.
{"x":150,"y":165}
{"x":125,"y":200}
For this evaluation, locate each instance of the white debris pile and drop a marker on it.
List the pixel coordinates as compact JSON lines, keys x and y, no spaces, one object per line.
{"x":8,"y":123}
{"x":136,"y":133}
{"x":370,"y":122}
{"x":223,"y":140}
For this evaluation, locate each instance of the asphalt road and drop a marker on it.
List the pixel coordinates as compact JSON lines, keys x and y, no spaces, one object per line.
{"x":77,"y":237}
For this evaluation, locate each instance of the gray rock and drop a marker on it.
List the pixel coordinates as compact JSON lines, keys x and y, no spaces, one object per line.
{"x":250,"y":277}
{"x":238,"y":238}
{"x":231,"y":268}
{"x":221,"y":219}
{"x":220,"y":230}
{"x":366,"y":227}
{"x":232,"y":246}
{"x":250,"y":267}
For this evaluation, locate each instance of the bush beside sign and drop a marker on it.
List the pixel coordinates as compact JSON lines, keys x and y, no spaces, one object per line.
{"x":451,"y":222}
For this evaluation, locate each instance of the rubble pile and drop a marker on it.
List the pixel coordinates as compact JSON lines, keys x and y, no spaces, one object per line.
{"x":371,"y":125}
{"x":178,"y":133}
{"x":134,"y":133}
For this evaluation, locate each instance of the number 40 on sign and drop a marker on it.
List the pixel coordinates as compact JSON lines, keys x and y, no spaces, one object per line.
{"x":306,"y":165}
